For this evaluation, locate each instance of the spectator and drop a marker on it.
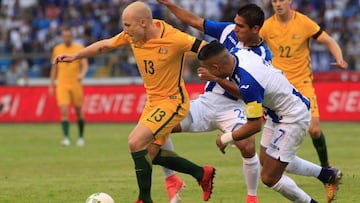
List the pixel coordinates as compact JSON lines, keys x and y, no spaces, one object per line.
{"x":17,"y":73}
{"x":28,"y":24}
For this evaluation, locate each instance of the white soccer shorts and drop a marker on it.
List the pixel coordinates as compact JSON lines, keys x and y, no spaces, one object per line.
{"x":282,"y":140}
{"x":211,"y":111}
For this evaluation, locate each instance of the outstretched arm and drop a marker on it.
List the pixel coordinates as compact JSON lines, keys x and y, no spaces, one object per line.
{"x":89,"y":51}
{"x":335,"y":50}
{"x":184,"y":15}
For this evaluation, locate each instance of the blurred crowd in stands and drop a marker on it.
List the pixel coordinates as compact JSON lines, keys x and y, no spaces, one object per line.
{"x":30,"y":29}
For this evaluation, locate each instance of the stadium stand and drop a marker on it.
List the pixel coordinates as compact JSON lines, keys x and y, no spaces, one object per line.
{"x":30,"y":28}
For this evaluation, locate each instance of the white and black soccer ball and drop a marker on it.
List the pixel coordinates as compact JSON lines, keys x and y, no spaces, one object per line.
{"x":99,"y":197}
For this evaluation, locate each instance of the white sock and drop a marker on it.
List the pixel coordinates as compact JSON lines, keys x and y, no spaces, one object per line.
{"x":251,"y":171}
{"x":169,"y":146}
{"x":288,"y":188}
{"x":302,"y":167}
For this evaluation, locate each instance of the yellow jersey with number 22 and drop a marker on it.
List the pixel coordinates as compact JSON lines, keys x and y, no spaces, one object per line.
{"x":290,"y":45}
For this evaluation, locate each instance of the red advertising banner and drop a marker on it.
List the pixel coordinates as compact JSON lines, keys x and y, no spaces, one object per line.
{"x":339,"y":101}
{"x":110,"y":103}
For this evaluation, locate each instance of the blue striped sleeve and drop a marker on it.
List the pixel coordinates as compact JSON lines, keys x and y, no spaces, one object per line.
{"x":214,"y":29}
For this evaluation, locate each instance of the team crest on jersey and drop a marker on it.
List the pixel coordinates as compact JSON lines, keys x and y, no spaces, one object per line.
{"x":163,"y":50}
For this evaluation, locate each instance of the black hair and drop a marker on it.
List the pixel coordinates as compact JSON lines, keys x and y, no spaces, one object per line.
{"x":211,"y":49}
{"x":252,"y":14}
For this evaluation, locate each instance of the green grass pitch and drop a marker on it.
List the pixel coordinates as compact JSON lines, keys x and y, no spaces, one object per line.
{"x":35,"y":168}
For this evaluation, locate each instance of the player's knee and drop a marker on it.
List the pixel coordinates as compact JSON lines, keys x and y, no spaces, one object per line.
{"x":134,"y":144}
{"x":267,"y":179}
{"x":64,"y":113}
{"x":79,"y":113}
{"x":131,"y":144}
{"x":247,"y":150}
{"x":64,"y":117}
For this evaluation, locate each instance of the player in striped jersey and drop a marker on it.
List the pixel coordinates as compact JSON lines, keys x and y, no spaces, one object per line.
{"x":231,"y":35}
{"x":208,"y":112}
{"x":262,"y":86}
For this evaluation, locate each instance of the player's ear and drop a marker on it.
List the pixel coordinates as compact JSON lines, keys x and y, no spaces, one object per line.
{"x":217,"y":66}
{"x":143,"y":22}
{"x":256,"y":29}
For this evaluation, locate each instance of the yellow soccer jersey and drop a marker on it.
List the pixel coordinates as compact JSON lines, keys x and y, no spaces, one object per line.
{"x":290,"y":46}
{"x":160,"y":61}
{"x":67,"y":73}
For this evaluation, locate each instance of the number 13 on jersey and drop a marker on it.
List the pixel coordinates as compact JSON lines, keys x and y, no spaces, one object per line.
{"x":149,"y":67}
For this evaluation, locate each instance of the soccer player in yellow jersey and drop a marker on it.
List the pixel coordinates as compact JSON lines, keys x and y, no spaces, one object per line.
{"x":69,"y":88}
{"x":159,"y":51}
{"x":288,"y":34}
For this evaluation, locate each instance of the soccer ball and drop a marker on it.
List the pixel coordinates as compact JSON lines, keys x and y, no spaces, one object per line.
{"x":99,"y":197}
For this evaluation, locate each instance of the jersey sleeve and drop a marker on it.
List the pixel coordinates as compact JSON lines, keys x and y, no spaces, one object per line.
{"x":214,"y":29}
{"x":253,"y":95}
{"x":54,"y":53}
{"x":312,"y":28}
{"x":188,"y":42}
{"x":120,"y":39}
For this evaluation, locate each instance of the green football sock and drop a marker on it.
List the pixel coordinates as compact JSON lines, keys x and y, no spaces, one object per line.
{"x":81,"y":124}
{"x":171,"y":160}
{"x":65,"y":128}
{"x":320,"y":146}
{"x":143,"y":169}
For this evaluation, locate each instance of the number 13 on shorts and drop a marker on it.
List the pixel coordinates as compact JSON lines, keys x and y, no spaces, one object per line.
{"x":162,"y":118}
{"x":157,"y":116}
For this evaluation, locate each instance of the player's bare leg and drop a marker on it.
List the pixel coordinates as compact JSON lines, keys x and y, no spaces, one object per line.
{"x":251,"y":166}
{"x":64,"y":110}
{"x":272,"y":176}
{"x":318,"y":140}
{"x":81,"y":125}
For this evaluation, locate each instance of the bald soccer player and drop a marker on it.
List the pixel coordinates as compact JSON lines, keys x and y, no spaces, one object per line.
{"x":159,"y":51}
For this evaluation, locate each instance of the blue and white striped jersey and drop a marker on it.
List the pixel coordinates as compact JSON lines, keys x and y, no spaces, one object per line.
{"x":261,"y":85}
{"x":224,"y":32}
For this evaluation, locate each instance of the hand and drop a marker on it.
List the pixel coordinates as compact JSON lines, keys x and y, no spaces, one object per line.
{"x":51,"y":90}
{"x":204,"y":74}
{"x":64,"y":58}
{"x":340,"y":64}
{"x":80,"y":77}
{"x":220,"y":145}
